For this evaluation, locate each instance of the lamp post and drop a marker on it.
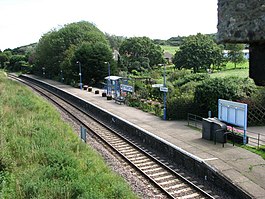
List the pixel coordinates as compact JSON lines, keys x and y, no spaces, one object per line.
{"x":165,"y":93}
{"x":43,"y":71}
{"x":80,"y":74}
{"x":109,"y":88}
{"x":62,"y":76}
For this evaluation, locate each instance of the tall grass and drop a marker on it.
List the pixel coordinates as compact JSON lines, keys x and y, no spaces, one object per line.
{"x":41,"y":157}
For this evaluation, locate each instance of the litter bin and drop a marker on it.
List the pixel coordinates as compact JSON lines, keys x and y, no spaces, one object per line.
{"x":213,"y":129}
{"x":207,"y":129}
{"x":219,"y":130}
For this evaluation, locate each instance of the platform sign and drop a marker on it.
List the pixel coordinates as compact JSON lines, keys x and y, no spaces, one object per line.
{"x":126,"y":88}
{"x":164,"y":89}
{"x":233,"y":113}
{"x":157,"y":85}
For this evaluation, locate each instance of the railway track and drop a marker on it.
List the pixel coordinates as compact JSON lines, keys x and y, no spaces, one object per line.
{"x":170,"y":182}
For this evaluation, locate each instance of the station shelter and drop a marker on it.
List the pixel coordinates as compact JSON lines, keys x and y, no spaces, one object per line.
{"x":113,"y":85}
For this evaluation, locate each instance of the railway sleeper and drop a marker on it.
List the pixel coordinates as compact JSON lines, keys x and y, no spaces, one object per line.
{"x":141,"y":161}
{"x":163,"y":178}
{"x":145,"y":165}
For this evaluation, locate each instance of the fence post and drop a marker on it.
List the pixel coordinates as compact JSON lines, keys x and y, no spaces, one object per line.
{"x":188,"y":119}
{"x":258,"y":139}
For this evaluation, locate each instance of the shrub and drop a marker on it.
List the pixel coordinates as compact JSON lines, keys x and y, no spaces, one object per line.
{"x":178,"y":74}
{"x":192,"y":78}
{"x":179,"y":106}
{"x":230,"y":88}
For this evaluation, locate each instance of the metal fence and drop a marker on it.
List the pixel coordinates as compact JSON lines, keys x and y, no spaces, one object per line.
{"x":194,"y":121}
{"x":256,"y":139}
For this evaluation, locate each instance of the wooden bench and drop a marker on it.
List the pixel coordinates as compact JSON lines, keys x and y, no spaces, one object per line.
{"x":119,"y":100}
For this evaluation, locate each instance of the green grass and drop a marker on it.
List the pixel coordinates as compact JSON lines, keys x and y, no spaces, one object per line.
{"x":170,"y":49}
{"x":241,"y":70}
{"x":41,"y":156}
{"x":260,"y":151}
{"x":229,"y":73}
{"x":231,"y":65}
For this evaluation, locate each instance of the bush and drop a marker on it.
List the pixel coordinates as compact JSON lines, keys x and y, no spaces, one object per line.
{"x":230,"y":88}
{"x":192,"y":78}
{"x":178,"y":74}
{"x":179,"y":106}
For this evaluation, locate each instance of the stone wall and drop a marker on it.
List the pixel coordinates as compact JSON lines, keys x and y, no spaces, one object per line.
{"x":241,"y":21}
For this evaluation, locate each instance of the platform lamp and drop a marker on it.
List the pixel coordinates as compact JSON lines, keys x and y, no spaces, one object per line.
{"x":80,"y":74}
{"x":109,"y":86}
{"x":43,"y":71}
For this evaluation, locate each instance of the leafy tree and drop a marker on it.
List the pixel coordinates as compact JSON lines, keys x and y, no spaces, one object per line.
{"x":197,"y":52}
{"x":93,"y":60}
{"x":115,"y":41}
{"x":141,"y":50}
{"x":54,"y":45}
{"x":3,"y":59}
{"x":17,"y":62}
{"x":235,"y":53}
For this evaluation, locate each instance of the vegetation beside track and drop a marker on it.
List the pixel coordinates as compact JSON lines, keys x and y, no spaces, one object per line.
{"x":41,"y":156}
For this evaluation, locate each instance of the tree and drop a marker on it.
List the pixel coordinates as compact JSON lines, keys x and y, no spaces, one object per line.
{"x":3,"y":59}
{"x":197,"y":52}
{"x":115,"y":41}
{"x":141,"y":50}
{"x":93,"y":58}
{"x":235,"y":53}
{"x":17,"y":62}
{"x":54,"y":45}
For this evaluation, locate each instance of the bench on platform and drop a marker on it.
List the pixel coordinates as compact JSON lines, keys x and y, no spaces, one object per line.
{"x":119,"y":100}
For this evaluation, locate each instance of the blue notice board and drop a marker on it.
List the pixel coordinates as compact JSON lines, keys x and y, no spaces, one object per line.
{"x":233,"y":113}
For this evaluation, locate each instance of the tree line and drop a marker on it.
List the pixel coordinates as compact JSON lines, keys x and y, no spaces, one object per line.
{"x":59,"y":52}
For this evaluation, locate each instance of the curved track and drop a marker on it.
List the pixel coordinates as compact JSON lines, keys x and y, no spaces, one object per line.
{"x":170,"y":182}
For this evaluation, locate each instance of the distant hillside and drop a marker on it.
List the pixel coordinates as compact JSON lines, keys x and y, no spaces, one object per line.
{"x":22,"y":50}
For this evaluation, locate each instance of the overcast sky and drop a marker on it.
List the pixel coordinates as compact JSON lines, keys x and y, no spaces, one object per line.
{"x":23,"y":22}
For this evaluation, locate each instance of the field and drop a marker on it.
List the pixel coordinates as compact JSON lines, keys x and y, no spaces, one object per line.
{"x":170,"y":49}
{"x":241,"y":70}
{"x":230,"y":73}
{"x":42,"y":157}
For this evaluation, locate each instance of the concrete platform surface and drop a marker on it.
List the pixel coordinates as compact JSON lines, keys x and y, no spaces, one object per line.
{"x":243,"y":168}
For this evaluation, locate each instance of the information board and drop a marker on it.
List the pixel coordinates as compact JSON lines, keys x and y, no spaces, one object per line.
{"x":233,"y":113}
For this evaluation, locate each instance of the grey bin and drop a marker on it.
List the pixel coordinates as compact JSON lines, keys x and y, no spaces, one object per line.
{"x":213,"y":129}
{"x":207,"y":129}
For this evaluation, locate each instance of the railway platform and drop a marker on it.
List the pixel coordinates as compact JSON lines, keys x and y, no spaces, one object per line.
{"x":241,"y":167}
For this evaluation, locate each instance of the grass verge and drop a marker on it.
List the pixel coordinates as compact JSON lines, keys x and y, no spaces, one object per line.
{"x":260,"y":151}
{"x":41,"y":157}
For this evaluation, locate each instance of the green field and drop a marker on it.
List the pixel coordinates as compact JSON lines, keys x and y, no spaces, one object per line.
{"x":241,"y":70}
{"x":229,"y":73}
{"x":170,"y":49}
{"x":42,"y":157}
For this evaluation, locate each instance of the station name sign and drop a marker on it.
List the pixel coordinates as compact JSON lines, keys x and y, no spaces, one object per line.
{"x":126,"y":88}
{"x":164,"y":89}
